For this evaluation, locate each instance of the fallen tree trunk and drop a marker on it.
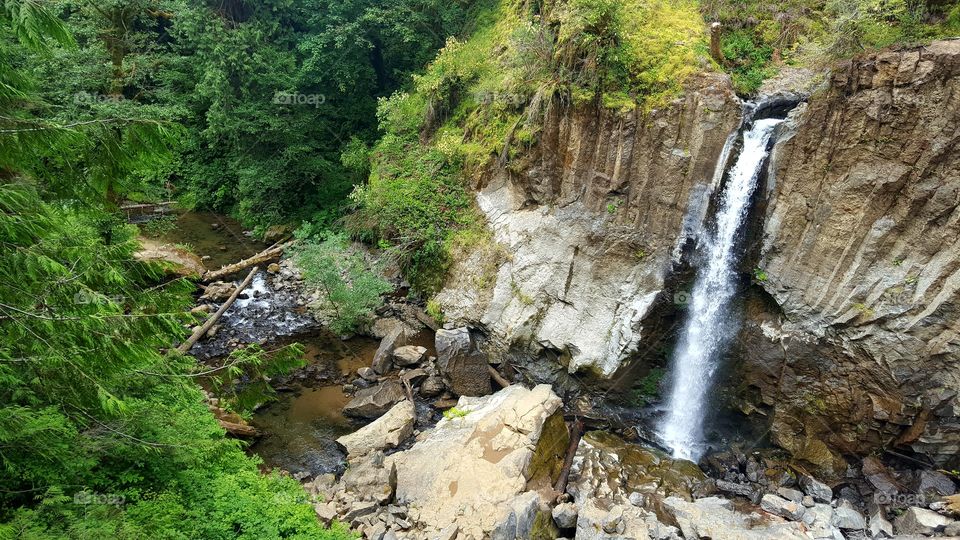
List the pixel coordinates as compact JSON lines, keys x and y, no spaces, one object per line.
{"x":267,"y":255}
{"x":239,"y":430}
{"x":576,"y":431}
{"x":199,"y":332}
{"x":498,"y":378}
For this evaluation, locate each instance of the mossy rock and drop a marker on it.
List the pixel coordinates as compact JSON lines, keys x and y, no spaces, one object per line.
{"x":548,"y":456}
{"x":543,"y":527}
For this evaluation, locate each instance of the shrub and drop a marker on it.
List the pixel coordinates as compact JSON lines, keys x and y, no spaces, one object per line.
{"x":350,"y":285}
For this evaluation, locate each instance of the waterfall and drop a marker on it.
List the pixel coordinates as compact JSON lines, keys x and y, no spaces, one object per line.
{"x":708,"y":323}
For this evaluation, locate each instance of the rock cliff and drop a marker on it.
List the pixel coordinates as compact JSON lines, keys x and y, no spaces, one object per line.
{"x":852,"y":336}
{"x":861,"y":249}
{"x":590,"y":226}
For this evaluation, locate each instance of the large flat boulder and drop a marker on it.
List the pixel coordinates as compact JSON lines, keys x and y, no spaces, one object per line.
{"x":470,"y":469}
{"x":385,"y":432}
{"x":374,"y":401}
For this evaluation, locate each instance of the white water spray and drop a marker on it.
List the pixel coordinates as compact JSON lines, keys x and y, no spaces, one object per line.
{"x":708,"y":326}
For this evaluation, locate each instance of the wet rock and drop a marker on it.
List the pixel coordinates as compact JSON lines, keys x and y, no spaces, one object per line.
{"x":408,"y":355}
{"x":920,"y":521}
{"x":816,"y":489}
{"x":273,"y":268}
{"x":607,"y":467}
{"x":565,"y":515}
{"x":466,"y":470}
{"x":374,"y":401}
{"x":218,"y":291}
{"x":432,"y":386}
{"x":465,"y":368}
{"x":385,"y":432}
{"x":845,"y":516}
{"x":784,"y":508}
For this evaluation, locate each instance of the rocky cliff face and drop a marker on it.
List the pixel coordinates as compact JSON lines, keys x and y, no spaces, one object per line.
{"x":852,"y":341}
{"x":861,"y":248}
{"x":590,"y":226}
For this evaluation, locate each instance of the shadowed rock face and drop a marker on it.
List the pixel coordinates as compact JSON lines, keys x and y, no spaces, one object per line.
{"x":588,"y":229}
{"x":862,"y":252}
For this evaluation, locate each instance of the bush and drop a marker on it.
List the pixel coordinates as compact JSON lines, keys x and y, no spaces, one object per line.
{"x":350,"y":285}
{"x":749,"y":58}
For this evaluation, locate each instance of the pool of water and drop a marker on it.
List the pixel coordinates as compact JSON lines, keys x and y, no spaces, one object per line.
{"x":213,"y":235}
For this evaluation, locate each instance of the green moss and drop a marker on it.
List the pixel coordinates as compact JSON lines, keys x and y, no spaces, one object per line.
{"x":548,"y":456}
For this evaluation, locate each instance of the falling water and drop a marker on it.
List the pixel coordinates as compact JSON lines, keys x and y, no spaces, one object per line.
{"x":708,"y":324}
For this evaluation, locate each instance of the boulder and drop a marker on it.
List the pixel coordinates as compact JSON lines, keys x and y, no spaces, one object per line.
{"x":276,"y":233}
{"x":468,"y":469}
{"x":388,"y":431}
{"x":743,"y":490}
{"x":466,"y":369}
{"x":877,"y":525}
{"x":517,"y":517}
{"x":370,"y":478}
{"x":790,"y":494}
{"x":383,"y":358}
{"x":375,"y":401}
{"x":935,"y":483}
{"x":779,"y":506}
{"x":218,"y":291}
{"x":599,"y":520}
{"x":408,"y":355}
{"x":920,"y":521}
{"x":816,"y":489}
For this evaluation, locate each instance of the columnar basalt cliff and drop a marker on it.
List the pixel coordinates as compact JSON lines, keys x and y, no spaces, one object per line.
{"x":861,"y":251}
{"x":852,"y":336}
{"x":590,"y":225}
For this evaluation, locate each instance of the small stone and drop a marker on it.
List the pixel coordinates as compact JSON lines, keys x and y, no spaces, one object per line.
{"x":273,"y":268}
{"x":807,"y":501}
{"x":613,"y":520}
{"x":326,"y":512}
{"x":782,"y":507}
{"x":879,"y":526}
{"x":432,"y":386}
{"x":816,"y":489}
{"x":565,"y":515}
{"x":935,"y":482}
{"x":367,"y":374}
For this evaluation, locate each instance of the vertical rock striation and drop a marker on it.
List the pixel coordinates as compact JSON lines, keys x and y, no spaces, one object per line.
{"x":589,"y":222}
{"x":861,"y":250}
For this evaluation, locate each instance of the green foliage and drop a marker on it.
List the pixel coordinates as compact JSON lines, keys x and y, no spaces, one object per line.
{"x":749,"y":58}
{"x":760,"y":275}
{"x":350,"y":286}
{"x":414,"y":200}
{"x":454,"y":412}
{"x":648,"y":387}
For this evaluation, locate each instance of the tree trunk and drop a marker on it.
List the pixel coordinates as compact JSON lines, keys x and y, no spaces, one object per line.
{"x":715,"y":50}
{"x":272,"y":252}
{"x":199,"y":332}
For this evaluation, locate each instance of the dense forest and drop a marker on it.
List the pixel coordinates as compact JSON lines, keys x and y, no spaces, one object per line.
{"x":355,"y":119}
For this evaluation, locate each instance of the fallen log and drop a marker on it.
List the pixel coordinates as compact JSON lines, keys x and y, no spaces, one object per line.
{"x":239,"y":430}
{"x":267,"y":255}
{"x":576,"y":431}
{"x":186,"y":345}
{"x":497,"y":377}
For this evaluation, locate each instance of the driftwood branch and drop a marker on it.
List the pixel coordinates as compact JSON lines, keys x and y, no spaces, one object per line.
{"x":267,"y":255}
{"x":186,"y":345}
{"x":239,"y":430}
{"x":576,"y":430}
{"x":497,"y":377}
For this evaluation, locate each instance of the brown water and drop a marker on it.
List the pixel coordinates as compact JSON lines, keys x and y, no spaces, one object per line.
{"x":214,"y":235}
